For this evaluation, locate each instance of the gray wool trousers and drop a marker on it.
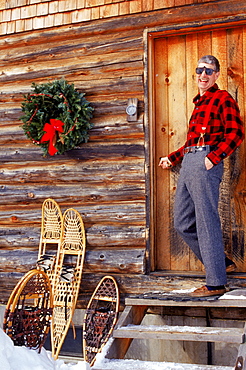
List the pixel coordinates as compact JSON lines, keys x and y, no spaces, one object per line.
{"x":196,"y":216}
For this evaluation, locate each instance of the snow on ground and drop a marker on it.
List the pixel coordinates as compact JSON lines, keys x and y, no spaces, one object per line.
{"x":22,"y":358}
{"x":105,"y":364}
{"x":147,"y":365}
{"x":176,"y":291}
{"x":136,"y":364}
{"x":235,"y":294}
{"x":183,"y":291}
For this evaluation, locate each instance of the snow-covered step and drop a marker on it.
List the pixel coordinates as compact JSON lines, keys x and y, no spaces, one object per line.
{"x":149,"y":365}
{"x":187,"y":333}
{"x":129,"y":327}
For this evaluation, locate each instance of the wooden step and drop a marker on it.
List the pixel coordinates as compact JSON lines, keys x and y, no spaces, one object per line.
{"x":129,"y":327}
{"x":183,"y":333}
{"x":149,"y":365}
{"x":209,"y":303}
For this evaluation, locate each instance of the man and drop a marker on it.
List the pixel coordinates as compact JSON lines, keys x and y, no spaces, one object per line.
{"x":215,"y":131}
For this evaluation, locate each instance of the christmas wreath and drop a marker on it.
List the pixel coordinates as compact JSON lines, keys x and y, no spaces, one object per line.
{"x":56,"y":116}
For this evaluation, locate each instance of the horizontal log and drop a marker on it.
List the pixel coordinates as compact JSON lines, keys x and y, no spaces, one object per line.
{"x":132,"y":286}
{"x":122,"y":261}
{"x":118,"y":131}
{"x":118,"y":121}
{"x":115,"y":130}
{"x":107,"y":260}
{"x":10,"y":101}
{"x":8,"y":281}
{"x":132,"y":84}
{"x":128,"y":84}
{"x":131,"y":67}
{"x":98,"y":235}
{"x":115,"y":261}
{"x":94,"y":192}
{"x":129,"y":284}
{"x":132,"y":213}
{"x":84,"y":70}
{"x":10,"y":115}
{"x":103,"y":106}
{"x":85,"y":151}
{"x":116,"y":235}
{"x":76,"y":171}
{"x":92,"y":47}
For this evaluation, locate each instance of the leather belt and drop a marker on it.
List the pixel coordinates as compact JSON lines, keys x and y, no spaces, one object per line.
{"x":194,"y":149}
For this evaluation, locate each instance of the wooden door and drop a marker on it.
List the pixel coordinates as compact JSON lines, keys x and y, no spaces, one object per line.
{"x":174,"y":59}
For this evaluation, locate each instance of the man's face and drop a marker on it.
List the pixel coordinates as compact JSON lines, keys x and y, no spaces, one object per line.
{"x":205,"y":81}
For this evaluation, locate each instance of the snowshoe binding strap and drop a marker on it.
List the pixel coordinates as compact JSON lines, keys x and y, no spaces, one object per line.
{"x":46,"y":262}
{"x":67,"y":273}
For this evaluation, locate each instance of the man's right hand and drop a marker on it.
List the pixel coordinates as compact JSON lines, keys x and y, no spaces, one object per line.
{"x":165,"y":163}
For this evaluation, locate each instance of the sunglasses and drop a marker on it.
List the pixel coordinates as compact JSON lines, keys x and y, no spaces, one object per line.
{"x":208,"y":71}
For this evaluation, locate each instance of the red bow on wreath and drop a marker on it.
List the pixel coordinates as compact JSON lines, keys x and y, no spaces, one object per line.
{"x":50,"y":129}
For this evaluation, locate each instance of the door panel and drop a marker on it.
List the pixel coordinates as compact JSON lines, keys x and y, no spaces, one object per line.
{"x":174,"y":86}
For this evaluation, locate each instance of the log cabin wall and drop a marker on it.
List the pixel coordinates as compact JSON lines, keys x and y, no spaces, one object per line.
{"x":99,"y":46}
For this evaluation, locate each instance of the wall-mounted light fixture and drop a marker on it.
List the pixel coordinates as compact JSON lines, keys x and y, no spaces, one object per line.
{"x":132,"y":109}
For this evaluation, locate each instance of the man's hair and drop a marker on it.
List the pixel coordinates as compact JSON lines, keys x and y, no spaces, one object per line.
{"x":210,"y":59}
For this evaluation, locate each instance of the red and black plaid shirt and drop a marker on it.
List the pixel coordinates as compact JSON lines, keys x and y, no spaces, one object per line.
{"x":224,"y":130}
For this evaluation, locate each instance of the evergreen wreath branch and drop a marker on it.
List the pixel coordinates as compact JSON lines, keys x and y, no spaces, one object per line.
{"x":56,"y":116}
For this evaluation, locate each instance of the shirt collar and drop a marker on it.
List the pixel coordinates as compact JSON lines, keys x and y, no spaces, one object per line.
{"x":207,"y":93}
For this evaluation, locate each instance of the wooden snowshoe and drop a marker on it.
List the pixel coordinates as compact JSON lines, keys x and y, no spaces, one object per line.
{"x":67,"y":277}
{"x":29,"y":310}
{"x":100,"y":318}
{"x":51,"y":232}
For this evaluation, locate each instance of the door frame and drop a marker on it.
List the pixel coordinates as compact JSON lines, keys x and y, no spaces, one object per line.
{"x":150,"y":34}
